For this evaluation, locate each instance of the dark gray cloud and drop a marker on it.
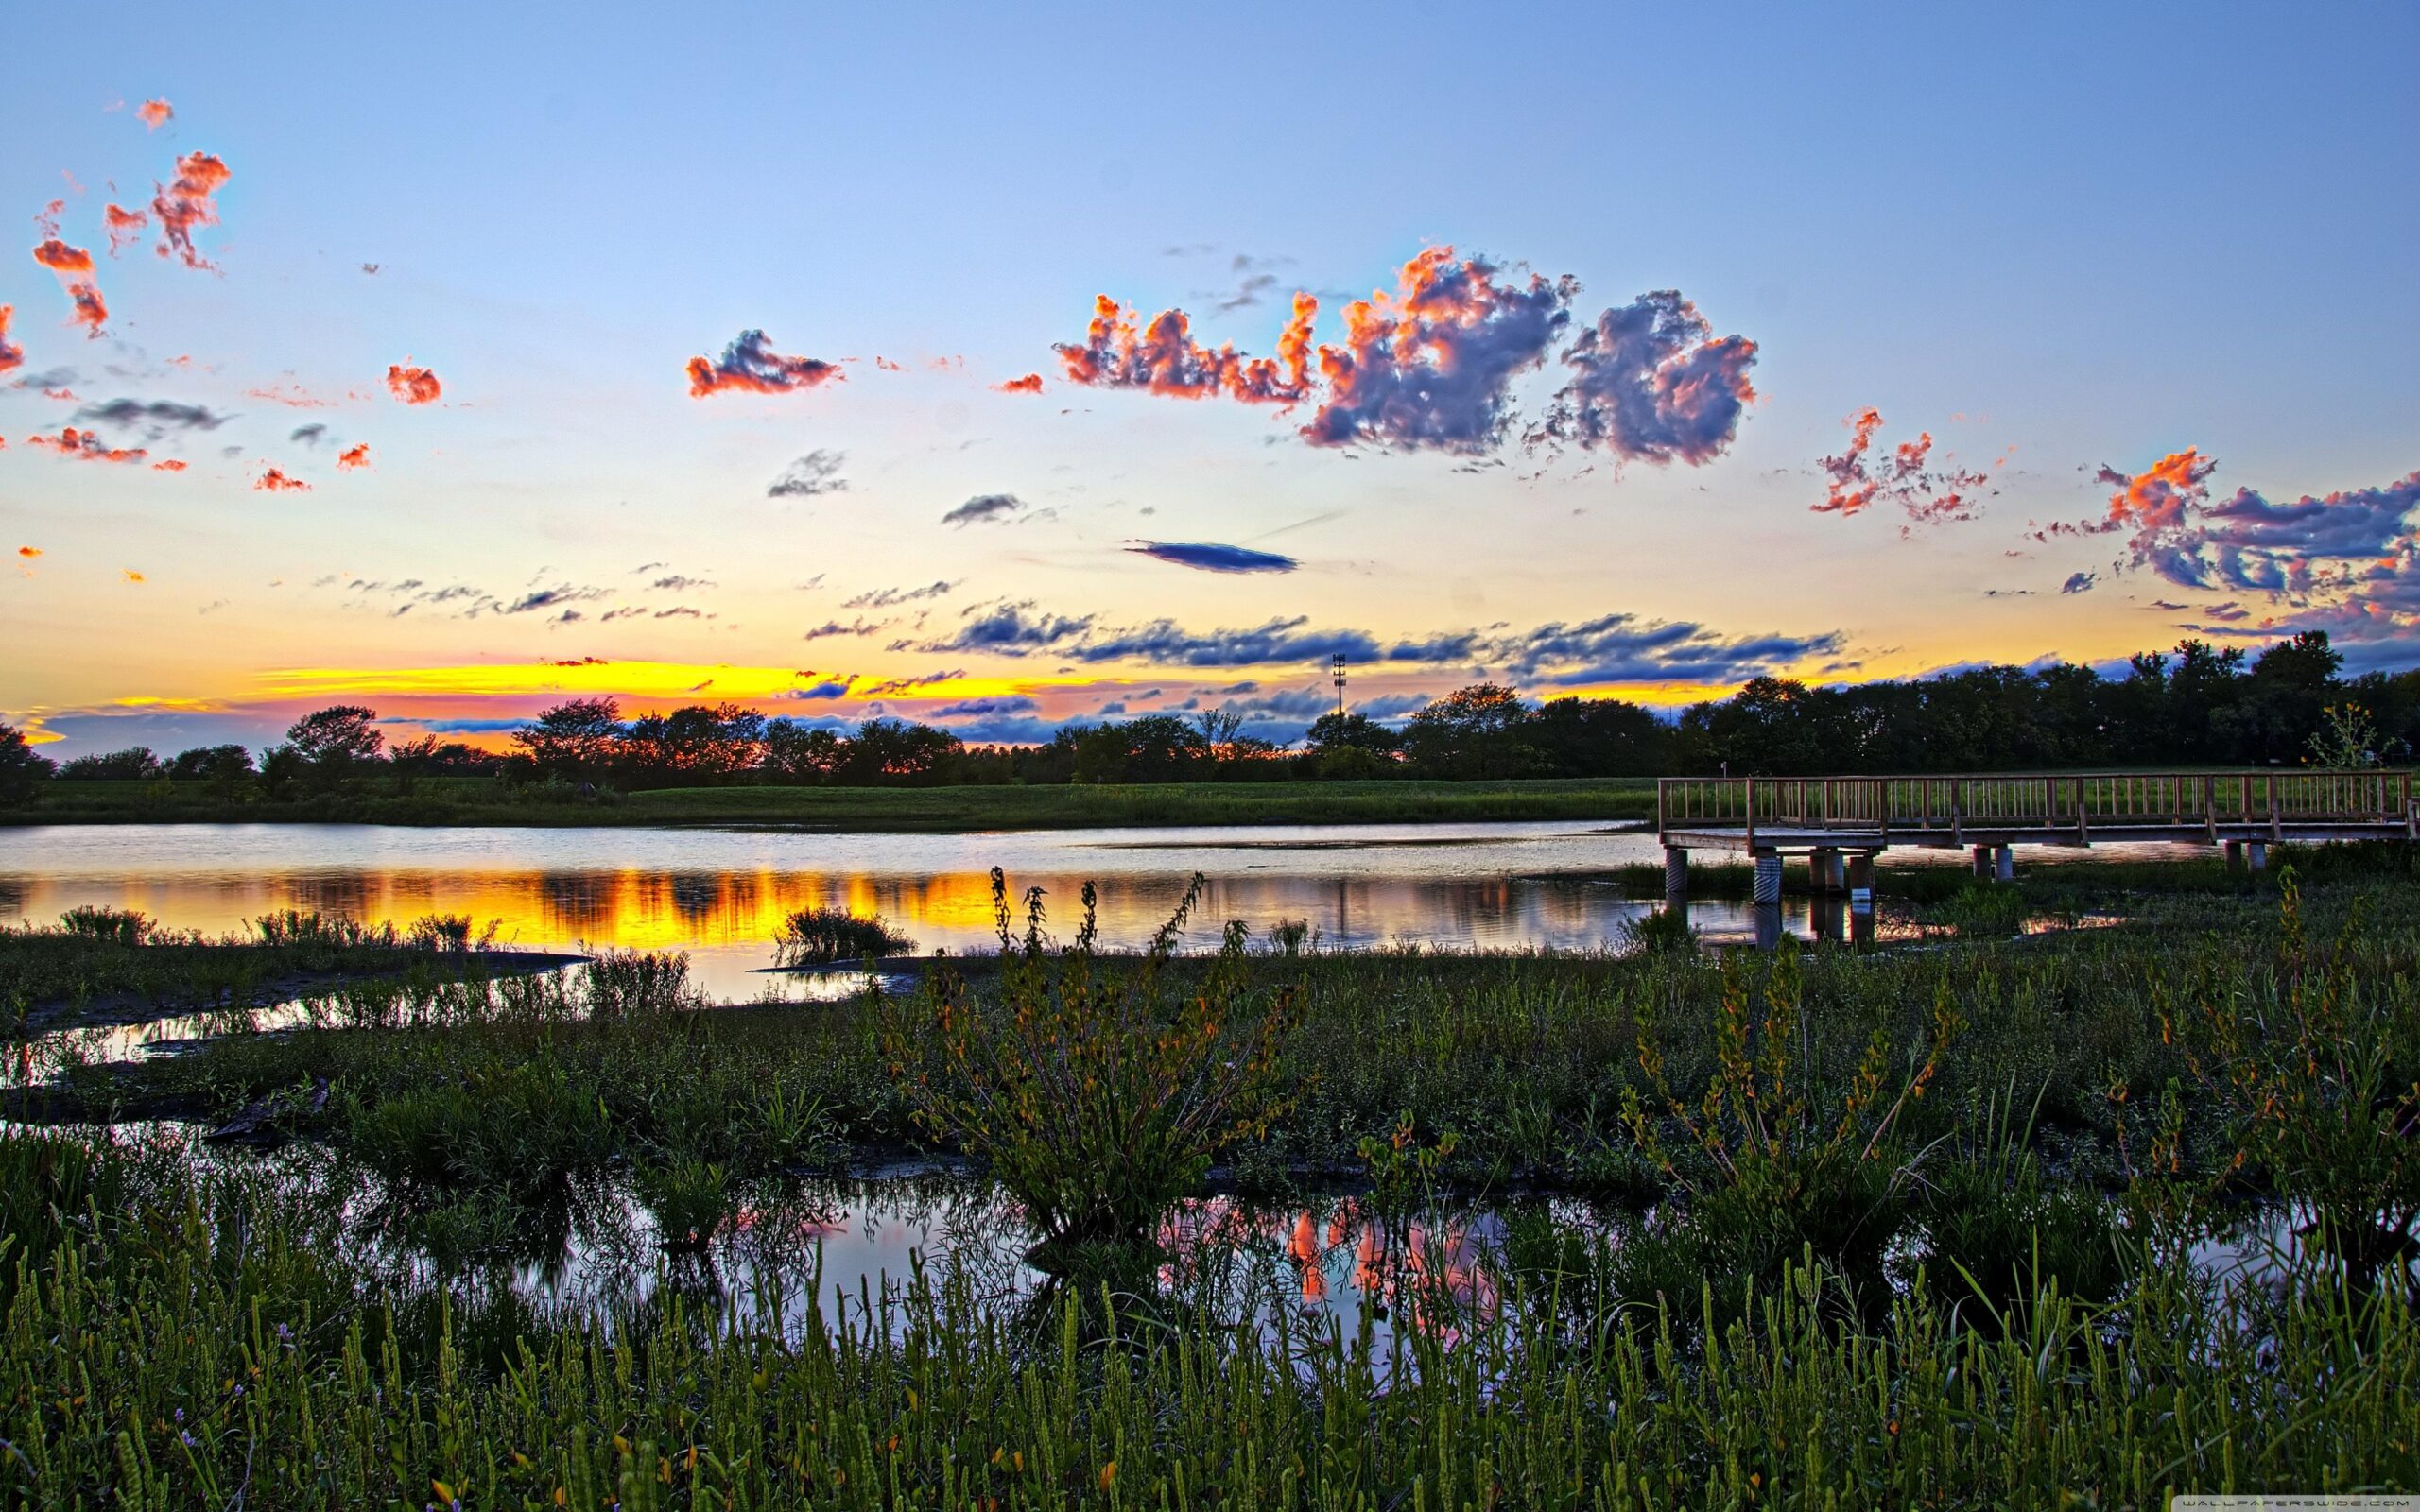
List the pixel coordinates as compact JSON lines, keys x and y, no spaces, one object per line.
{"x":984,"y":708}
{"x":1651,"y":382}
{"x":818,"y":472}
{"x":155,"y":418}
{"x":2078,"y":583}
{"x":677,"y":583}
{"x":2245,"y":542}
{"x":984,"y":507}
{"x":1610,"y":649}
{"x":1014,"y":629}
{"x":311,"y":435}
{"x":1625,"y":648}
{"x":1215,"y":558}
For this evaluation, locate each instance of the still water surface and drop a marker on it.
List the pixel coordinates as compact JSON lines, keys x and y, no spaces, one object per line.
{"x":722,"y":894}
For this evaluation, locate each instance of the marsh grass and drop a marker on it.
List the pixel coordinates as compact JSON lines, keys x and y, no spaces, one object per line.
{"x":818,"y":936}
{"x":201,"y":1343}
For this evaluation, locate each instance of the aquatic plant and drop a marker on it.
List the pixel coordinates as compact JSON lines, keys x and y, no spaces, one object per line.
{"x":1657,"y":930}
{"x":630,"y":984}
{"x":1096,"y":1093}
{"x":817,"y":936}
{"x":1779,"y":1152}
{"x":114,"y":926}
{"x":450,"y":932}
{"x":2318,"y":1075}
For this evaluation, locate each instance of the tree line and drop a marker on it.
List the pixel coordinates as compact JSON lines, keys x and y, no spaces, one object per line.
{"x":2199,"y":705}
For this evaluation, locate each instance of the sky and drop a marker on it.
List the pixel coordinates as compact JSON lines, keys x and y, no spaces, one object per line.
{"x":478,"y":357}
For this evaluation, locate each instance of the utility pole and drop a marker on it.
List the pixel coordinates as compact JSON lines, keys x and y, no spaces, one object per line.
{"x":1340,"y":687}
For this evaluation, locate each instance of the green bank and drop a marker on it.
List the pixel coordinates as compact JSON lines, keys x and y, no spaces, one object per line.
{"x":928,"y":810}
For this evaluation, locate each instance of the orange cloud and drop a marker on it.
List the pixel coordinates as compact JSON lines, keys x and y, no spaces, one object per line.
{"x":413,"y":385}
{"x":11,"y":355}
{"x":73,"y":265}
{"x":1163,"y":358}
{"x":886,"y":365}
{"x":352,"y":457}
{"x":1929,"y":495}
{"x":29,"y":552}
{"x":171,"y":465}
{"x":125,"y":227}
{"x":750,"y":366}
{"x":1030,"y":383}
{"x":86,"y":446}
{"x":187,"y":203}
{"x":274,"y":481}
{"x":155,"y":113}
{"x":131,"y":576}
{"x":1850,"y":489}
{"x":2159,"y":496}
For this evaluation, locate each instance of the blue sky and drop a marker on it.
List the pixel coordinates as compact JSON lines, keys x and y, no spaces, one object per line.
{"x":2096,"y":235}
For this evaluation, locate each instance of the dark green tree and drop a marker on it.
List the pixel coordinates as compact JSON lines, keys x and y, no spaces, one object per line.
{"x":23,"y":770}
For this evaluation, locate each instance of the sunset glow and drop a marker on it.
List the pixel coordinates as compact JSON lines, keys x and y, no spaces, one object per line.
{"x":540,"y":399}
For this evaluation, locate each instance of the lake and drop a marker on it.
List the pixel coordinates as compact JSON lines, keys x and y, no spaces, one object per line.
{"x":722,"y":894}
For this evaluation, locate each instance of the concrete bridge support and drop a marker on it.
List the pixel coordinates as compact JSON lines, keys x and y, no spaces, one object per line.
{"x":1827,"y":872}
{"x":2256,"y":854}
{"x":1676,"y":877}
{"x":1982,"y":861}
{"x":1768,"y":879}
{"x":2004,"y":864}
{"x":2235,"y":855}
{"x":1860,"y":880}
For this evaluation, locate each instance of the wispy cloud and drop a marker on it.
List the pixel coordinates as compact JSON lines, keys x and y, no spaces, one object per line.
{"x":818,"y":472}
{"x":893,"y":598}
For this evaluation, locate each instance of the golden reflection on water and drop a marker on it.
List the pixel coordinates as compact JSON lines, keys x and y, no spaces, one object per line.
{"x":650,"y":910}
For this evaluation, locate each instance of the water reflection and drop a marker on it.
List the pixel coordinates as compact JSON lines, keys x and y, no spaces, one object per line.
{"x":722,"y":895}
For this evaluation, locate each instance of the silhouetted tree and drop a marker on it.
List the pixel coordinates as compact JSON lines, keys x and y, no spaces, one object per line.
{"x":133,"y":764}
{"x":211,"y":764}
{"x":333,"y":743}
{"x":795,"y":753}
{"x":23,"y":770}
{"x":1473,"y":732}
{"x":578,"y":740}
{"x":896,"y":750}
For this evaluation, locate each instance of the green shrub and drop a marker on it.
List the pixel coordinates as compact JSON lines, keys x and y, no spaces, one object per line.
{"x":1095,"y":1094}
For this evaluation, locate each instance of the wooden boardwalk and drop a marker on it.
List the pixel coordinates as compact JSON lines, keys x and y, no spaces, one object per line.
{"x":1841,"y":823}
{"x":1773,"y":816}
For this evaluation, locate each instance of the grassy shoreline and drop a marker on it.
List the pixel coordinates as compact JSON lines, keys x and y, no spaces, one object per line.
{"x":902,"y":810}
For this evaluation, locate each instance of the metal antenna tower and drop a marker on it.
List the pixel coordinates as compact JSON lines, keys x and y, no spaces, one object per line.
{"x":1340,"y":687}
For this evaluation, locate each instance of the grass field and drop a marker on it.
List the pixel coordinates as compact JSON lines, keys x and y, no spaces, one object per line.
{"x":1899,"y":1227}
{"x":479,"y":802}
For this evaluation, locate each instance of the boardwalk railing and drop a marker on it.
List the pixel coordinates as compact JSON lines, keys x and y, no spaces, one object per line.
{"x":1914,"y":808}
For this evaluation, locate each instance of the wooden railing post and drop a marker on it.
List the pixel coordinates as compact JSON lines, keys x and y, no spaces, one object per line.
{"x":1751,"y":814}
